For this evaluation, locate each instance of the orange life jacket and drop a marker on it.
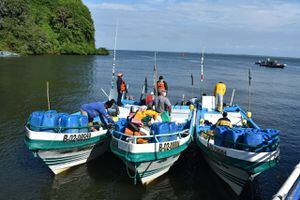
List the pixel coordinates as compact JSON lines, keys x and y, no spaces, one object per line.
{"x":135,"y":133}
{"x":123,"y":86}
{"x":161,"y":85}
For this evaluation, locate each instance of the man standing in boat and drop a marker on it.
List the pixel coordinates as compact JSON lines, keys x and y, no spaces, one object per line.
{"x":219,"y":93}
{"x":96,"y":109}
{"x":121,"y":87}
{"x":162,"y":103}
{"x":162,"y":85}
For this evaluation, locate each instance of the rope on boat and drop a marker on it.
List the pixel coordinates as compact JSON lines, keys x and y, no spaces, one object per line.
{"x":127,"y":167}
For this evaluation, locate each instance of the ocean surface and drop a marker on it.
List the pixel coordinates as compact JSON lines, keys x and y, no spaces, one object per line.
{"x":75,"y":80}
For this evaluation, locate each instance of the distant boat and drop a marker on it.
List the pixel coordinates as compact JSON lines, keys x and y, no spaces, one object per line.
{"x":270,"y":63}
{"x":8,"y":54}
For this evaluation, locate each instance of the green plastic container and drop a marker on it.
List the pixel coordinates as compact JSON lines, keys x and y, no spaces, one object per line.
{"x":165,"y":116}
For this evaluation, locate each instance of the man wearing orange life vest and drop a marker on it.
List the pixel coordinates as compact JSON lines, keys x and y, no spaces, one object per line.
{"x":219,"y":93}
{"x":121,"y":87}
{"x":161,"y":84}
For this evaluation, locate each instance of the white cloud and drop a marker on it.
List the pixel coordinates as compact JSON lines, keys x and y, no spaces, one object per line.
{"x":189,"y":25}
{"x":253,"y":16}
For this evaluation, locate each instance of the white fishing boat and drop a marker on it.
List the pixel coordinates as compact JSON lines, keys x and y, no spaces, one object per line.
{"x":147,"y":157}
{"x":63,"y":141}
{"x":236,"y":154}
{"x":8,"y":54}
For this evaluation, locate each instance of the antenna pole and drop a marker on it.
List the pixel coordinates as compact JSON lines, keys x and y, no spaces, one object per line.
{"x":232,"y":97}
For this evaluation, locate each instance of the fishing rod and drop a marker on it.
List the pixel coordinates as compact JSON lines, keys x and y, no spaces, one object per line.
{"x":112,"y":93}
{"x":249,"y":89}
{"x":201,"y":72}
{"x":155,"y":75}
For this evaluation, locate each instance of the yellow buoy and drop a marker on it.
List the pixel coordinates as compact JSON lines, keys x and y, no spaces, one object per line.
{"x":115,"y":119}
{"x":244,"y":122}
{"x":201,"y":121}
{"x":249,"y":114}
{"x":191,"y":107}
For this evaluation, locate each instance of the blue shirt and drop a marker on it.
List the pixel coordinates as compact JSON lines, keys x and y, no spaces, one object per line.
{"x":96,"y":109}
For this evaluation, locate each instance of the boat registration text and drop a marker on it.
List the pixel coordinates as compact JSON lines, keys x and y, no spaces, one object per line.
{"x":168,"y":146}
{"x":76,"y":137}
{"x":216,"y":149}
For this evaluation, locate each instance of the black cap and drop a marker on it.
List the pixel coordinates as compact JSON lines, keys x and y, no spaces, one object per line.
{"x":110,"y":103}
{"x":224,"y":114}
{"x":161,"y":77}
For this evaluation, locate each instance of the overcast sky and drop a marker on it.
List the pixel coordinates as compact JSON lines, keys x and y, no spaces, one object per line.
{"x":258,"y":27}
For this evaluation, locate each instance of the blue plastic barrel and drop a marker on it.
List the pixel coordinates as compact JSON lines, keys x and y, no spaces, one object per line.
{"x":219,"y":136}
{"x":83,"y":122}
{"x":273,"y":133}
{"x":164,"y":128}
{"x":233,"y":137}
{"x":180,"y":127}
{"x":36,"y":120}
{"x":50,"y":121}
{"x":62,"y":121}
{"x":173,"y":129}
{"x":72,"y":124}
{"x":253,"y":140}
{"x":121,"y":125}
{"x":271,"y":137}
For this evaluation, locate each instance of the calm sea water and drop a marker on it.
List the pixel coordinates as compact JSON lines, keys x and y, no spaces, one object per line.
{"x":75,"y":80}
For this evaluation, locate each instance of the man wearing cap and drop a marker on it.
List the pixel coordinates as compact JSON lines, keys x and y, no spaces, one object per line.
{"x":96,"y":109}
{"x":121,"y":87}
{"x":162,"y":103}
{"x":161,"y":84}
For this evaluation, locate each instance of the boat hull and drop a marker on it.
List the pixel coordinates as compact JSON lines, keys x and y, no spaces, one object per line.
{"x":236,"y":168}
{"x":62,"y":160}
{"x":148,"y":171}
{"x":149,"y":161}
{"x":234,"y":177}
{"x":61,"y":151}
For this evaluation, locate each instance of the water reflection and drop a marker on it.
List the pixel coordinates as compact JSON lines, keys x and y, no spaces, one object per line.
{"x":75,"y":80}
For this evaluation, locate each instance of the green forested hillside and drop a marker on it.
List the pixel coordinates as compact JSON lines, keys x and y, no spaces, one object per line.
{"x":47,"y":27}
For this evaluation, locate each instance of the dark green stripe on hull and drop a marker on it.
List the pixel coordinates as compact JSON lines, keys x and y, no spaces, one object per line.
{"x":250,"y":167}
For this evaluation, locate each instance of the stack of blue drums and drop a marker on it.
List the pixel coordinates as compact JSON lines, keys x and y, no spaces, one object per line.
{"x":51,"y":121}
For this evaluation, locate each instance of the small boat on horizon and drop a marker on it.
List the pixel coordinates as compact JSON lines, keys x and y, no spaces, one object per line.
{"x":8,"y":54}
{"x":270,"y":63}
